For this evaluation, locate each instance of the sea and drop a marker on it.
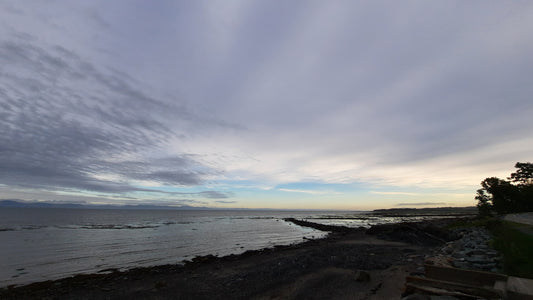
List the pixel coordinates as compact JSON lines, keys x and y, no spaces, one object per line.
{"x":38,"y":244}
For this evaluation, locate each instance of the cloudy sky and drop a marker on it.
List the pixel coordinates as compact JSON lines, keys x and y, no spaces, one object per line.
{"x":271,"y":104}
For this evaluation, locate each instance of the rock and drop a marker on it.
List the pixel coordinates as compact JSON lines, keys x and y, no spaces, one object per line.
{"x":471,"y":250}
{"x":478,"y":251}
{"x":459,"y":254}
{"x":485,"y":266}
{"x":476,"y":259}
{"x":461,"y":264}
{"x":362,"y":276}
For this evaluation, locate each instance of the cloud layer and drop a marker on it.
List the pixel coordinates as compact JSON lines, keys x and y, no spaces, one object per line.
{"x":69,"y":126}
{"x":217,"y":99}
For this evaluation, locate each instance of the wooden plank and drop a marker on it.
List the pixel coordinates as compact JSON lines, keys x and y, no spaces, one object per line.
{"x":484,"y":292}
{"x":470,"y":277}
{"x":412,"y":288}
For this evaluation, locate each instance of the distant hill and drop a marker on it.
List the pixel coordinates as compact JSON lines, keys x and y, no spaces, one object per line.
{"x":18,"y":203}
{"x":433,"y":211}
{"x":39,"y":204}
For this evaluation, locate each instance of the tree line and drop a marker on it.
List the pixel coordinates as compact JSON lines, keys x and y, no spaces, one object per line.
{"x":502,"y":196}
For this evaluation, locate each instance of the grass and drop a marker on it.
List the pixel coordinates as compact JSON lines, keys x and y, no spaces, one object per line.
{"x":478,"y":222}
{"x":515,"y":242}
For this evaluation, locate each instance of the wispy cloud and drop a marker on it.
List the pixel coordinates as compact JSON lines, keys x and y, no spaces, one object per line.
{"x":395,"y":193}
{"x":312,"y":192}
{"x":422,"y":204}
{"x":225,"y":201}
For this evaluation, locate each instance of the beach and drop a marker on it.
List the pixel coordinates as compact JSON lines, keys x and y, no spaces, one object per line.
{"x":350,"y":263}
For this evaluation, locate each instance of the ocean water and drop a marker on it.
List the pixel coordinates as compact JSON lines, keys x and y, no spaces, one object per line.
{"x":360,"y":219}
{"x":38,"y":244}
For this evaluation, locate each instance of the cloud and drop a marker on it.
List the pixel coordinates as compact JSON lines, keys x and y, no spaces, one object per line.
{"x":312,"y":192}
{"x":215,"y":194}
{"x":169,"y":202}
{"x":395,"y":193}
{"x":66,"y":122}
{"x":202,"y":194}
{"x":422,"y":204}
{"x":352,"y":99}
{"x":261,"y":93}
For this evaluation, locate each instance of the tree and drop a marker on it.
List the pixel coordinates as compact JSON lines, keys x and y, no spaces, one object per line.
{"x":484,"y":206}
{"x":523,"y":177}
{"x":526,"y":192}
{"x":524,"y":174}
{"x":502,"y":196}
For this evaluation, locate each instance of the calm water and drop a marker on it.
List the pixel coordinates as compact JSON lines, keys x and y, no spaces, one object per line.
{"x":39,"y":244}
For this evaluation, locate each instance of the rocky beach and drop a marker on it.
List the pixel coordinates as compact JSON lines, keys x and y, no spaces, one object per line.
{"x":350,"y":263}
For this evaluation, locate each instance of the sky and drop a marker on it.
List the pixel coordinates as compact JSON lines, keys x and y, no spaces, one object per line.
{"x":293,"y":104}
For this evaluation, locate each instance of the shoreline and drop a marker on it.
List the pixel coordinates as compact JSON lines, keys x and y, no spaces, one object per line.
{"x":331,"y":267}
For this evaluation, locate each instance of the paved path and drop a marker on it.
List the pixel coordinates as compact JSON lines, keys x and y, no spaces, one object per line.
{"x":524,"y":218}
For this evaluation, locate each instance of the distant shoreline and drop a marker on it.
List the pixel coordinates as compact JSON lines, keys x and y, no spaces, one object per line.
{"x":438,"y":211}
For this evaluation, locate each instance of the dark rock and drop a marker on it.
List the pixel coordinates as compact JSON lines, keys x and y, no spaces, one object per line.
{"x":415,"y":233}
{"x":362,"y":276}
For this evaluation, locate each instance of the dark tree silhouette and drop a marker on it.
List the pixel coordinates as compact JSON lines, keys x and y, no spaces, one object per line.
{"x":523,"y":177}
{"x":484,"y":205}
{"x":502,"y":196}
{"x":524,"y":174}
